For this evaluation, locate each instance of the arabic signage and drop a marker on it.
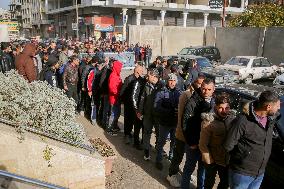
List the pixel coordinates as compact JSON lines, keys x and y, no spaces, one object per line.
{"x":12,"y":26}
{"x":216,"y":4}
{"x":104,"y":24}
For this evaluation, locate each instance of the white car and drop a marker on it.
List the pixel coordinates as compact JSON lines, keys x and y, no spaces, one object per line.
{"x":249,"y":68}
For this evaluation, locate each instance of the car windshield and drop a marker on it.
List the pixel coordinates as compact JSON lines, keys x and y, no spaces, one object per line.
{"x":238,"y":61}
{"x":187,"y":51}
{"x":203,"y":63}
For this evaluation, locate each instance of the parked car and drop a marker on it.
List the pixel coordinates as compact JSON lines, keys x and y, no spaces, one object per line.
{"x":249,"y":68}
{"x":240,"y":95}
{"x":220,"y":76}
{"x":209,"y":52}
{"x":279,"y":81}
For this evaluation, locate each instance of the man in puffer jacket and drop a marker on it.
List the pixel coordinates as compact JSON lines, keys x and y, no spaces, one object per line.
{"x":166,"y":106}
{"x":214,"y":128}
{"x":25,"y":64}
{"x":114,"y":84}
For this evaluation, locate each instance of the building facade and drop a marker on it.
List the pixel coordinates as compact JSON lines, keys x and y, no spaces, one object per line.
{"x":93,"y":13}
{"x":32,"y":17}
{"x":62,"y":18}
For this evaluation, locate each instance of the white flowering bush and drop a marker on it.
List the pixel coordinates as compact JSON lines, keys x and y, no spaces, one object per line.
{"x":40,"y":106}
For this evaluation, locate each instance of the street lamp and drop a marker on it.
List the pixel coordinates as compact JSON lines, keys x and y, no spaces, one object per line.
{"x":77,"y":20}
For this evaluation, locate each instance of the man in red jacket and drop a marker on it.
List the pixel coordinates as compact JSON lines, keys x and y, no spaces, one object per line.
{"x":114,"y":84}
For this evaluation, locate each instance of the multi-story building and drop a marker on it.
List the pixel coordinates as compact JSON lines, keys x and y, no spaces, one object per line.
{"x":32,"y":15}
{"x":8,"y":18}
{"x":101,"y":17}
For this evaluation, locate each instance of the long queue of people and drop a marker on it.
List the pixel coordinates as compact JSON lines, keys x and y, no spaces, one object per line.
{"x":182,"y":107}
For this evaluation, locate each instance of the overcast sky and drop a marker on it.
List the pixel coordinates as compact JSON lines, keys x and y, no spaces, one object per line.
{"x":4,"y":4}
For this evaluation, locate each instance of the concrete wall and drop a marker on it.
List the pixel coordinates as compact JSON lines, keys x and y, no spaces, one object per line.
{"x":274,"y":45}
{"x":167,"y":40}
{"x":146,"y":35}
{"x":71,"y":167}
{"x":175,"y":38}
{"x":237,"y":41}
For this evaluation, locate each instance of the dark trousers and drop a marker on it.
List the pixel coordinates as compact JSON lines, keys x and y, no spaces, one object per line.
{"x":148,"y":125}
{"x":82,"y":96}
{"x":138,"y":125}
{"x":210,"y":175}
{"x":72,"y":92}
{"x":129,"y":118}
{"x":164,"y":131}
{"x":177,"y":157}
{"x":88,"y":107}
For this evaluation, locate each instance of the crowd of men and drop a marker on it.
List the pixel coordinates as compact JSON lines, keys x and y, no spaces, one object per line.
{"x":179,"y":105}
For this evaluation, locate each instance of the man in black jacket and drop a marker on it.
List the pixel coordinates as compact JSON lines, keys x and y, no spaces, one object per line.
{"x":201,"y":101}
{"x":249,"y":141}
{"x":126,"y":94}
{"x":6,"y":61}
{"x":142,"y":96}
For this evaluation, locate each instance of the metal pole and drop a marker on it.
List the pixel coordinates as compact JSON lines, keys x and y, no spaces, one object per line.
{"x":224,"y":12}
{"x":77,"y":20}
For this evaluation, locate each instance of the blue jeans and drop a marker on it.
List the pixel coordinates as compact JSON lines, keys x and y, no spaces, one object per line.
{"x":192,"y":157}
{"x":239,"y":181}
{"x":114,"y":116}
{"x":163,"y":135}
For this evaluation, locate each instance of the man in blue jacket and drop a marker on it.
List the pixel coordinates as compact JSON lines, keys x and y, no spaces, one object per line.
{"x":166,"y":107}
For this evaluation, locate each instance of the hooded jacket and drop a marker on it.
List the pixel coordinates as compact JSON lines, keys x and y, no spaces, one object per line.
{"x":25,"y":64}
{"x":249,"y":143}
{"x":115,"y":83}
{"x":212,"y":137}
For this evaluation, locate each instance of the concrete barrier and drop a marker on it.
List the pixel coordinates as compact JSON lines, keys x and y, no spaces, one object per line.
{"x":71,"y":167}
{"x":175,"y":38}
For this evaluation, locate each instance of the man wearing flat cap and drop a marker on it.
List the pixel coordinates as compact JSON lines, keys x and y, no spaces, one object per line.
{"x":50,"y":74}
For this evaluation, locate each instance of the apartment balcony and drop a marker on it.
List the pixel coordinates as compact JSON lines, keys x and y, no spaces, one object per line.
{"x":45,"y":22}
{"x":15,"y":2}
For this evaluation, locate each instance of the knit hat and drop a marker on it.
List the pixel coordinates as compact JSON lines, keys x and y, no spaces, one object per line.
{"x":153,"y":72}
{"x":172,"y":76}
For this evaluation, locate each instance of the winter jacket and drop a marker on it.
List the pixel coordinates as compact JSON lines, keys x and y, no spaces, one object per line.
{"x":105,"y":73}
{"x":249,"y":143}
{"x":25,"y":64}
{"x":212,"y":137}
{"x":138,"y":90}
{"x":166,"y":106}
{"x":63,"y":58}
{"x":70,"y":75}
{"x":85,"y":74}
{"x":184,"y":97}
{"x":126,"y":90}
{"x":192,"y":117}
{"x":6,"y":62}
{"x":51,"y":78}
{"x":115,"y":83}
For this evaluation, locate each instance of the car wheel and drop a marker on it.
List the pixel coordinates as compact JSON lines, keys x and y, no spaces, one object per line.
{"x":248,"y":80}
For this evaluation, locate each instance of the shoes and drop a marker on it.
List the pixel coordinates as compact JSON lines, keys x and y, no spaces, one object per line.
{"x":159,"y":166}
{"x":127,"y":139}
{"x":147,"y":155}
{"x":116,"y":129}
{"x":138,"y":146}
{"x":174,"y":180}
{"x":82,"y":113}
{"x":112,"y":133}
